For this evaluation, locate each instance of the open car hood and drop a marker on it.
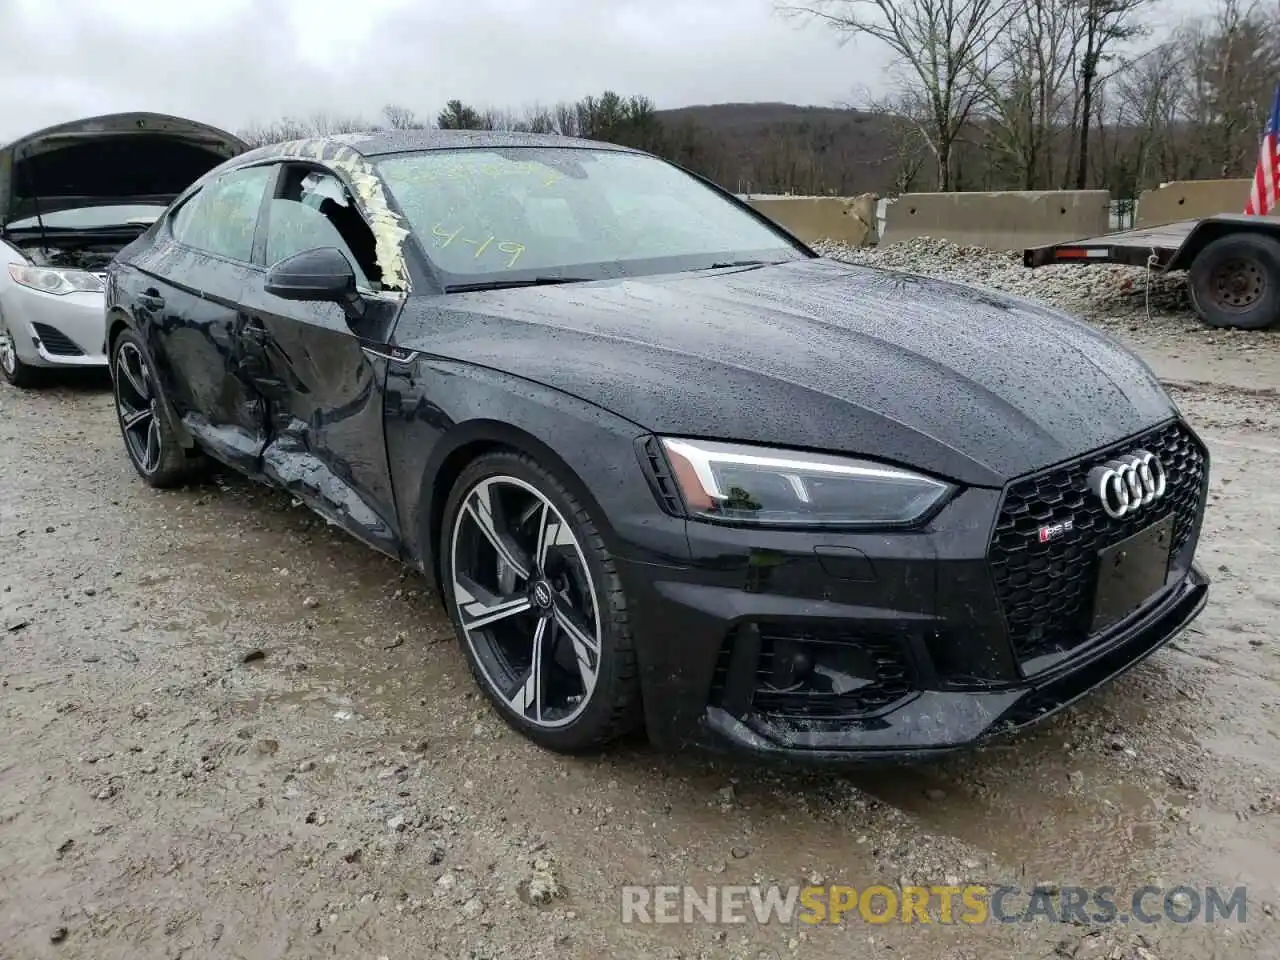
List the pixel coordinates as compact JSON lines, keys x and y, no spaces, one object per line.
{"x":114,"y":159}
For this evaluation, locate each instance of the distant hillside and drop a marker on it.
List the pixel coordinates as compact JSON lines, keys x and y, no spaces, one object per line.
{"x":755,"y":147}
{"x":717,"y":116}
{"x":785,"y":148}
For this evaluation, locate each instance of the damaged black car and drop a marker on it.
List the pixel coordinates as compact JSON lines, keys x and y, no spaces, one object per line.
{"x":668,"y":468}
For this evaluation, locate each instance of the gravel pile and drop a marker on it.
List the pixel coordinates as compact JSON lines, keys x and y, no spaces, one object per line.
{"x":1099,"y":292}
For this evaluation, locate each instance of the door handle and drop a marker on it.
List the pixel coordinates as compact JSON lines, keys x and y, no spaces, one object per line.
{"x":151,"y":299}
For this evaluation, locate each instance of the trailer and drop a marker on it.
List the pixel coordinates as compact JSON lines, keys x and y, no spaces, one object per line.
{"x":1232,"y":263}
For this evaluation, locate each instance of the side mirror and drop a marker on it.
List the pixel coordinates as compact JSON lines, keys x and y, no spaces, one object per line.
{"x":322,"y":274}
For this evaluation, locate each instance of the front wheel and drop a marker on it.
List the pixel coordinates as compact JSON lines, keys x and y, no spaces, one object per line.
{"x":538,"y":606}
{"x":1235,"y":282}
{"x":11,"y":366}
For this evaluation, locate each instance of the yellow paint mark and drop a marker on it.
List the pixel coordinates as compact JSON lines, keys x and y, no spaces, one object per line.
{"x":448,"y":237}
{"x":515,"y":249}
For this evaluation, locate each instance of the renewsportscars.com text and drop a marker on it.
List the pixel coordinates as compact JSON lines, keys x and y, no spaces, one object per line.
{"x":945,"y":904}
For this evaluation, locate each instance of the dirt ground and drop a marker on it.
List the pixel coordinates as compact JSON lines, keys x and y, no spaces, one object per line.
{"x":229,"y":731}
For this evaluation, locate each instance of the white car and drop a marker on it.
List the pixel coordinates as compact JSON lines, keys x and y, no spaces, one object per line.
{"x":71,"y":196}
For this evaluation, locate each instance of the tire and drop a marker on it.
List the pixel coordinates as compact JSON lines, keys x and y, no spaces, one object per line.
{"x":1235,"y":282}
{"x":150,"y":441}
{"x":574,"y":584}
{"x":12,"y":368}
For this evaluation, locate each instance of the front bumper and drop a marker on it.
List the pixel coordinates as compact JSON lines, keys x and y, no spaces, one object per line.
{"x":56,"y":331}
{"x":939,"y":722}
{"x":946,"y":644}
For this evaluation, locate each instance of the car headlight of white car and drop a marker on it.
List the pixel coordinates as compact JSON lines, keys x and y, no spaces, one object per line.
{"x":55,"y":280}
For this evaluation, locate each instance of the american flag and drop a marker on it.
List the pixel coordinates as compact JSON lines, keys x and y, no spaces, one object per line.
{"x":1266,"y":179}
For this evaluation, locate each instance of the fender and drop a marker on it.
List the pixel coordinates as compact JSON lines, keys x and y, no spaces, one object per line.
{"x":428,"y":445}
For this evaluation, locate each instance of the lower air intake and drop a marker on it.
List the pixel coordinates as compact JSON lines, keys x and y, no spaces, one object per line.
{"x":804,"y":673}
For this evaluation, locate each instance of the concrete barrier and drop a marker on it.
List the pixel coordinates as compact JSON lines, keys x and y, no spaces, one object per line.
{"x":1011,"y":220}
{"x":848,"y":220}
{"x":1187,"y":199}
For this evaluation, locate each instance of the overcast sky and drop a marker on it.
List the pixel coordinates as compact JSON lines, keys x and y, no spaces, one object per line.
{"x":238,"y":62}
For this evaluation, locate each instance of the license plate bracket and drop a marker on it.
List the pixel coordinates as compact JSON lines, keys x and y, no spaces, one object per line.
{"x":1130,"y":572}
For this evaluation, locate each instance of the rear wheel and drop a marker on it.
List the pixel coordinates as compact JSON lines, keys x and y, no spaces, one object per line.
{"x":1235,"y":282}
{"x":538,"y":606}
{"x":11,"y":366}
{"x":153,"y":447}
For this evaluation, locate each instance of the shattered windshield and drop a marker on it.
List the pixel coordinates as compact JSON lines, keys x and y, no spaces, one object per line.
{"x":572,"y":213}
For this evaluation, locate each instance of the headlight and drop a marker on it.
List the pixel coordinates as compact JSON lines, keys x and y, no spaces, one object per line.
{"x":737,"y":483}
{"x":56,"y":281}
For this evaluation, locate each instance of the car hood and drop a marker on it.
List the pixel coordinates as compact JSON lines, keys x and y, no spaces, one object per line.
{"x":961,"y":381}
{"x":114,"y":159}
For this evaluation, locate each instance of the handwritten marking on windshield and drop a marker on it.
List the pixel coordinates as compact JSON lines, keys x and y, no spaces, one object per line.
{"x":443,"y":239}
{"x":515,"y":249}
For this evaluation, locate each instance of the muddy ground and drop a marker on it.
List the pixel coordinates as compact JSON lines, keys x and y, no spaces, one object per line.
{"x":227,"y":730}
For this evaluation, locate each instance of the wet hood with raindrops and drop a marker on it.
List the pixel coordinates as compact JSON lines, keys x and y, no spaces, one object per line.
{"x":963,"y":382}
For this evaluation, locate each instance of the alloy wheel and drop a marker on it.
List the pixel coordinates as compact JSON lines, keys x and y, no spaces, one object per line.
{"x":138,"y":407}
{"x":526,"y":601}
{"x":8,"y":350}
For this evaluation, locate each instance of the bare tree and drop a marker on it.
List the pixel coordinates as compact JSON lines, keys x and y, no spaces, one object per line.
{"x":1029,"y":94}
{"x":284,"y":129}
{"x":904,"y":116}
{"x":1104,"y":23}
{"x":566,"y":120}
{"x":1111,"y":159}
{"x":401,"y":118}
{"x":1232,"y":62}
{"x":319,"y":124}
{"x":1150,"y":93}
{"x":945,"y":49}
{"x":323,"y":124}
{"x":539,"y":119}
{"x":496,"y":118}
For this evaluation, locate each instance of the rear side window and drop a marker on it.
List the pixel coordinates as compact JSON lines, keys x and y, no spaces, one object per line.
{"x":179,"y":223}
{"x":222,"y":217}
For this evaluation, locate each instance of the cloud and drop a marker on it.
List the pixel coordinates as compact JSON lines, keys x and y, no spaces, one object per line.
{"x":236,"y":62}
{"x":239,"y":62}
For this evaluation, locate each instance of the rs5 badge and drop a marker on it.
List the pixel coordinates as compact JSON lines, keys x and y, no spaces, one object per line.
{"x":1055,"y":530}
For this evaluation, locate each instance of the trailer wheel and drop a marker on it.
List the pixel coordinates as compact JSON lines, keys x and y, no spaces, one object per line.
{"x":1235,"y":281}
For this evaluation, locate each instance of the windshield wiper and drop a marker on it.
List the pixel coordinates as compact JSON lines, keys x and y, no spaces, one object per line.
{"x":741,"y":263}
{"x":509,"y":284}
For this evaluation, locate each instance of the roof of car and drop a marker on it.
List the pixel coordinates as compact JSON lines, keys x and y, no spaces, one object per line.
{"x":382,"y":142}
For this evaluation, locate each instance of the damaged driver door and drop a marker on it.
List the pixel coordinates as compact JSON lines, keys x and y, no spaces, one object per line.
{"x":191,"y":285}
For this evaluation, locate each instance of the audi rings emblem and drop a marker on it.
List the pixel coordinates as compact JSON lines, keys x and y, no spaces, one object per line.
{"x":1126,"y":485}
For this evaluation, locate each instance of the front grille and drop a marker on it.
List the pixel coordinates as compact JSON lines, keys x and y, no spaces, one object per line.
{"x":56,"y":342}
{"x":1046,"y":589}
{"x":879,"y":665}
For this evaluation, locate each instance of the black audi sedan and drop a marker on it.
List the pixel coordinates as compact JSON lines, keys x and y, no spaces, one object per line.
{"x":668,"y":467}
